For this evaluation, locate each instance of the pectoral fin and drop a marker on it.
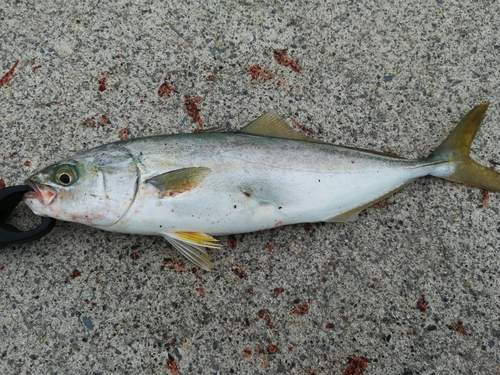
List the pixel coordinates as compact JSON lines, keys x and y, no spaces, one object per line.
{"x":179,"y":181}
{"x":192,"y":246}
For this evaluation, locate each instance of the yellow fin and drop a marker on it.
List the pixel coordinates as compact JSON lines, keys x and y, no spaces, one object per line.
{"x":352,"y":215}
{"x":196,"y":238}
{"x":456,"y":149}
{"x":192,"y":246}
{"x":179,"y":181}
{"x":272,"y":125}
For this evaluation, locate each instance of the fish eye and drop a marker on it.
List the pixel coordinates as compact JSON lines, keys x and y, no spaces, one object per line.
{"x":66,"y":176}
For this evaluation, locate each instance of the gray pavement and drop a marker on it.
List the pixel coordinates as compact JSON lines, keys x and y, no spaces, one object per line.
{"x":301,"y":299}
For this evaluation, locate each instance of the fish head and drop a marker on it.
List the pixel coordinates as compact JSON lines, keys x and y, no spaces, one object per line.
{"x":95,"y":188}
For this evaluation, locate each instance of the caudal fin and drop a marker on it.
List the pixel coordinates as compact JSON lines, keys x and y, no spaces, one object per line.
{"x":456,"y":149}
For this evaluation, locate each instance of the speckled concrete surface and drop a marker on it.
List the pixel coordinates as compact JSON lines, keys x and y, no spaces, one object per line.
{"x":296,"y":300}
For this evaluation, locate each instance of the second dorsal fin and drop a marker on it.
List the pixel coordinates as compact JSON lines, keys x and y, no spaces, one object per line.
{"x":270,"y":124}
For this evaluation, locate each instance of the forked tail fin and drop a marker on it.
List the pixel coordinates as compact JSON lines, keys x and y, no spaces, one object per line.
{"x":456,"y":149}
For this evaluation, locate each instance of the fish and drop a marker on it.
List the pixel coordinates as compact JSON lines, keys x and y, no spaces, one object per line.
{"x":191,"y":187}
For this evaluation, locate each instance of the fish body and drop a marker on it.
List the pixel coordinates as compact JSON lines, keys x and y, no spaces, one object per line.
{"x":189,"y":187}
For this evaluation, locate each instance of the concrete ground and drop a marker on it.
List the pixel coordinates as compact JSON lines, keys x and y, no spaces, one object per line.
{"x":411,"y":288}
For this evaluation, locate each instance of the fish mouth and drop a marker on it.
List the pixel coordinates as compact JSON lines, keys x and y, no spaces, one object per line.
{"x":42,"y":193}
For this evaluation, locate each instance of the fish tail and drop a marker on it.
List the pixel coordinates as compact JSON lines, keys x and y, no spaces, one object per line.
{"x":454,"y":152}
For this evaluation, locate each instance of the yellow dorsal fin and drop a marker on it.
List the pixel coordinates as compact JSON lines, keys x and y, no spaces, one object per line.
{"x":272,"y":125}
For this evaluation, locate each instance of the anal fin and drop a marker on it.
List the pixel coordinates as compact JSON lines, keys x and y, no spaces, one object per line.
{"x":352,"y":215}
{"x":192,"y":246}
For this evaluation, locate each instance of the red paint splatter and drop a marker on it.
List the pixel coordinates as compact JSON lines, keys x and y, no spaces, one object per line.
{"x":173,"y":265}
{"x":239,"y":272}
{"x":257,"y":72}
{"x":201,"y":290}
{"x":270,"y":247}
{"x":75,"y":274}
{"x":5,"y":80}
{"x":165,"y":89}
{"x":247,"y":352}
{"x":104,"y":120}
{"x":278,"y":291}
{"x":485,"y":197}
{"x":172,"y":365}
{"x":302,"y":127}
{"x":422,"y":304}
{"x":134,"y":255}
{"x":2,"y":183}
{"x":329,"y":325}
{"x":102,"y":84}
{"x":192,"y":109}
{"x":35,"y":68}
{"x":231,"y":242}
{"x":459,"y":327}
{"x":356,"y":366}
{"x":282,"y":58}
{"x":124,"y":133}
{"x":27,"y":163}
{"x":302,"y":309}
{"x":90,"y":122}
{"x":307,"y":227}
{"x":272,"y":349}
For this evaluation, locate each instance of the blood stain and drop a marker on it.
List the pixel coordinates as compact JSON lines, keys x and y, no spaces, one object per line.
{"x":192,"y":109}
{"x":422,"y":304}
{"x":2,"y":183}
{"x":257,"y":72}
{"x":102,"y":84}
{"x":173,"y":265}
{"x":165,"y":89}
{"x":134,"y":255}
{"x":172,"y":365}
{"x":239,"y":272}
{"x":201,"y":290}
{"x":272,"y":349}
{"x":356,"y":366}
{"x":90,"y":122}
{"x":5,"y":80}
{"x":104,"y":120}
{"x":124,"y":133}
{"x":302,"y":309}
{"x":282,"y":58}
{"x":459,"y":327}
{"x":278,"y":291}
{"x":302,"y":127}
{"x":75,"y":274}
{"x":231,"y":242}
{"x":247,"y":352}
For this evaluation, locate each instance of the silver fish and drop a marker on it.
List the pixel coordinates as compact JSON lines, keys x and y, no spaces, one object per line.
{"x":189,"y":187}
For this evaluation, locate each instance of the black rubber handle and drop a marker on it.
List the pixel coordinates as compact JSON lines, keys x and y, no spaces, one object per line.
{"x":9,"y":234}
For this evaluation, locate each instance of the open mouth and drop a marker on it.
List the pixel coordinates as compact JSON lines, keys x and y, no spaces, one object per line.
{"x":44,"y":194}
